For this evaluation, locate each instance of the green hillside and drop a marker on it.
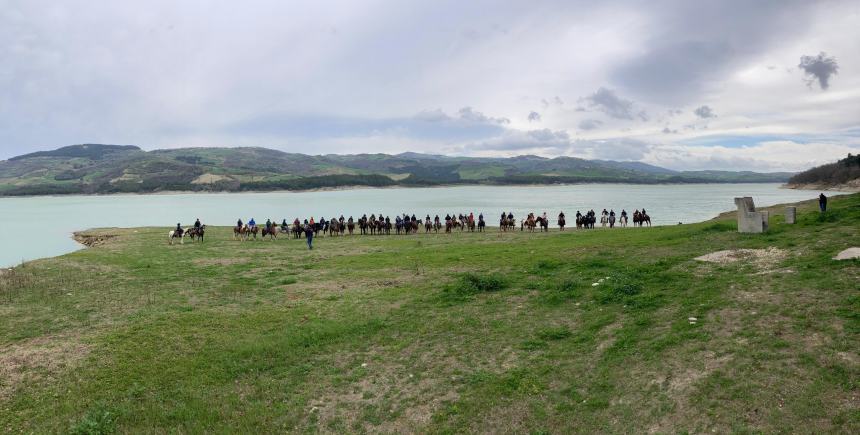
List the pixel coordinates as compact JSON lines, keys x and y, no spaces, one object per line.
{"x":93,"y":168}
{"x":582,"y":331}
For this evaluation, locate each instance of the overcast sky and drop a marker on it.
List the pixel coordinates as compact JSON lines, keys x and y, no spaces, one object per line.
{"x":683,"y":84}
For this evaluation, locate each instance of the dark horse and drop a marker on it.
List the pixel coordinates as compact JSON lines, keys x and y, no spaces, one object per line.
{"x":197,"y":233}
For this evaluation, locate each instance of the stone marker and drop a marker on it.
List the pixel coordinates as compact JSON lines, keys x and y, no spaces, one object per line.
{"x":791,"y":215}
{"x":848,"y":254}
{"x":749,"y":220}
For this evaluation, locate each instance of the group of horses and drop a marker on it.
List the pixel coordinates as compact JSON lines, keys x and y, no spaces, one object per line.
{"x":194,"y":233}
{"x":406,"y":224}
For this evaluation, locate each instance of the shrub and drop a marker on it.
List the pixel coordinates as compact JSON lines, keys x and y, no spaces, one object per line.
{"x":470,"y":284}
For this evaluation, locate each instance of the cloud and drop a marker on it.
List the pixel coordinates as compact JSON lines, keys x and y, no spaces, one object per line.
{"x":611,"y":149}
{"x":534,"y":116}
{"x":611,"y":104}
{"x":705,"y":112}
{"x":667,"y":130}
{"x":820,"y":68}
{"x":518,"y":140}
{"x":468,"y":114}
{"x":589,"y":124}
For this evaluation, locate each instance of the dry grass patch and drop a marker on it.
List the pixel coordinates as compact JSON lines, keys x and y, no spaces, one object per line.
{"x":38,"y":359}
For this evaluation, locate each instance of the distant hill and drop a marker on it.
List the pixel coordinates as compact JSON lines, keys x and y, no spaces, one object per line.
{"x":841,"y":175}
{"x":96,"y":168}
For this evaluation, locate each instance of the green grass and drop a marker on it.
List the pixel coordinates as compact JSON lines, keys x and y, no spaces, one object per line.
{"x":503,"y":333}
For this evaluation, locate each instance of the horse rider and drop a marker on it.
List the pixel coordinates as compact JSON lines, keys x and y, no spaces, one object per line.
{"x":268,"y":224}
{"x":623,"y":213}
{"x":239,"y":223}
{"x":544,"y":217}
{"x":252,"y":223}
{"x":178,"y":229}
{"x":284,"y":223}
{"x":471,"y":217}
{"x":447,"y":218}
{"x":311,"y":223}
{"x":197,"y":224}
{"x":643,"y":212}
{"x":561,"y":215}
{"x":503,"y":217}
{"x":510,"y":215}
{"x":436,"y":220}
{"x":611,"y":213}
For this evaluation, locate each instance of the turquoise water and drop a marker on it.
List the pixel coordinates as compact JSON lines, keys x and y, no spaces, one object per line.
{"x":58,"y":216}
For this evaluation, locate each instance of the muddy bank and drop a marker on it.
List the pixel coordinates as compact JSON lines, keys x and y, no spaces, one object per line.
{"x":851,"y":186}
{"x":90,"y":240}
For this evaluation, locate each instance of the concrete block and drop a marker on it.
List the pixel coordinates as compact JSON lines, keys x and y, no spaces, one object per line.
{"x":749,"y":220}
{"x":791,"y":215}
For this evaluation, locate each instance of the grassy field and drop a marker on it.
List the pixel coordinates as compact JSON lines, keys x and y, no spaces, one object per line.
{"x":581,"y":331}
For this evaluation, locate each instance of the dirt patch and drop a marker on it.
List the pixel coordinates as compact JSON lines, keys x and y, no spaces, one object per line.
{"x":38,"y":359}
{"x":608,"y":336}
{"x":91,"y":240}
{"x":219,"y":261}
{"x":209,"y":179}
{"x":762,"y":259}
{"x":848,"y":254}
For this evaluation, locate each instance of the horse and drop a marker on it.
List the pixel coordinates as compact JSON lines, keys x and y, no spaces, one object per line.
{"x":333,"y":228}
{"x":271,"y":231}
{"x":481,"y":225}
{"x":612,"y":221}
{"x":603,"y":220}
{"x":176,"y":234}
{"x":252,"y":231}
{"x":507,"y":224}
{"x":197,"y":232}
{"x":350,"y":226}
{"x":239,"y":232}
{"x":544,"y":224}
{"x":471,"y":225}
{"x":297,"y":229}
{"x":449,"y":224}
{"x":644,"y":218}
{"x":560,"y":223}
{"x":623,"y":221}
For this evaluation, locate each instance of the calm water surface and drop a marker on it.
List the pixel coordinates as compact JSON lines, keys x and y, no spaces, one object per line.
{"x":59,"y":216}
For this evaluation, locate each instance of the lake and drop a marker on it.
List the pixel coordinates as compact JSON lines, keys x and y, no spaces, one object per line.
{"x":59,"y":216}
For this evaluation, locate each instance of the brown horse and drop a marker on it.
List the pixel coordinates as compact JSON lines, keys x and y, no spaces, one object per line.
{"x":272,"y":232}
{"x":561,"y":223}
{"x":350,"y":226}
{"x":240,"y":232}
{"x":252,"y":231}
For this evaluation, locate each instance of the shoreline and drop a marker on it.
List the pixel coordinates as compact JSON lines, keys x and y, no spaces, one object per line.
{"x":852,"y":186}
{"x":363,"y":187}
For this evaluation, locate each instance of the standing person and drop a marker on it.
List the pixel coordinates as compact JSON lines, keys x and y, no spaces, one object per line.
{"x":309,"y":234}
{"x":822,"y":202}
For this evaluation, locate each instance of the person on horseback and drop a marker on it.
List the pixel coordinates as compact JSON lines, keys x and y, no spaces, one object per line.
{"x":311,"y":223}
{"x":436,"y":219}
{"x":178,"y":229}
{"x":623,"y":213}
{"x":471,"y":217}
{"x":544,"y":216}
{"x":510,"y":215}
{"x":447,"y":218}
{"x":561,"y":215}
{"x":268,"y":225}
{"x":252,"y":223}
{"x":643,"y":212}
{"x":197,"y":224}
{"x":503,"y":217}
{"x":611,"y":213}
{"x":239,"y":223}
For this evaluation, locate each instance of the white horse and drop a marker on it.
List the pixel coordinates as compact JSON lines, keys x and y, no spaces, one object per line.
{"x":603,"y":220}
{"x":623,"y":221}
{"x":173,"y":235}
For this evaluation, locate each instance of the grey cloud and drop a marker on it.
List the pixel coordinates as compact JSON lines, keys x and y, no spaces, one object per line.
{"x":667,"y":130}
{"x":589,"y":124}
{"x":558,"y":101}
{"x":643,"y":116}
{"x":820,"y":68}
{"x":515,"y":140}
{"x":534,"y":117}
{"x":705,"y":112}
{"x":689,"y":47}
{"x":611,"y":104}
{"x":469,"y":114}
{"x":612,"y":149}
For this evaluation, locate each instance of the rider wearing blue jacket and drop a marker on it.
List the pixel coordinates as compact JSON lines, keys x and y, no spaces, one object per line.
{"x":252,"y":223}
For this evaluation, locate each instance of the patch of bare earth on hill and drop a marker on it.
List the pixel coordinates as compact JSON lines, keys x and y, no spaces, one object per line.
{"x":38,"y":359}
{"x":91,"y":240}
{"x":764,"y":261}
{"x":679,"y":382}
{"x":402,"y":388}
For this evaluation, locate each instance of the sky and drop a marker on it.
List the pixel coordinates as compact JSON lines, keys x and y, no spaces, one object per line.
{"x":688,"y":85}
